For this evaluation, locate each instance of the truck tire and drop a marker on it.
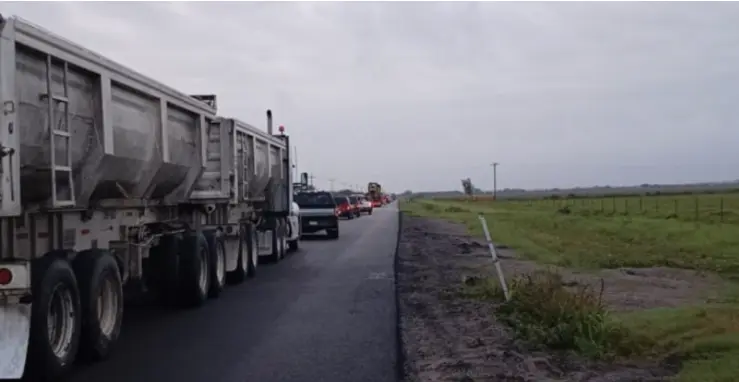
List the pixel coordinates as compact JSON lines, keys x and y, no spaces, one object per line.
{"x":277,"y":251}
{"x":283,"y":247}
{"x":278,"y":247}
{"x":101,"y":302}
{"x":252,"y":250}
{"x":283,"y":238}
{"x":56,"y":301}
{"x":194,"y":280}
{"x":288,"y":228}
{"x":163,"y":269}
{"x":238,"y":275}
{"x":217,"y":257}
{"x":217,"y":263}
{"x":333,"y":233}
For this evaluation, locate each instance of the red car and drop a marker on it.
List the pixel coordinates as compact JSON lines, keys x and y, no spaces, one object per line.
{"x":344,"y":207}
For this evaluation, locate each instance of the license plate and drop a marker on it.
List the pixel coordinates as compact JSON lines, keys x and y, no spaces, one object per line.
{"x":313,"y":223}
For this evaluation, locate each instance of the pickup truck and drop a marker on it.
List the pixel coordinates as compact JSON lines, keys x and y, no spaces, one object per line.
{"x":318,"y":213}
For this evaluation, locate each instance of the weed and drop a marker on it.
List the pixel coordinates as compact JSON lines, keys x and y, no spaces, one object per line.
{"x":544,"y":310}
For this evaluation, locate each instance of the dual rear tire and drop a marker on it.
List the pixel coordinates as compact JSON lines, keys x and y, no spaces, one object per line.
{"x":247,"y":257}
{"x":180,"y":270}
{"x":279,"y":243}
{"x":77,"y":311}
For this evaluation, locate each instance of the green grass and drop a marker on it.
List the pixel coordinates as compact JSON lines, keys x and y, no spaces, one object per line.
{"x":706,"y":337}
{"x":541,"y":233}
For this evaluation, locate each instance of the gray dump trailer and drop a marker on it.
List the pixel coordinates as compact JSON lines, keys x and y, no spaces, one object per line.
{"x":114,"y":185}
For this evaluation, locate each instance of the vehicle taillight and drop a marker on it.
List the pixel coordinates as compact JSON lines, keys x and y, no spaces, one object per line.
{"x":6,"y":276}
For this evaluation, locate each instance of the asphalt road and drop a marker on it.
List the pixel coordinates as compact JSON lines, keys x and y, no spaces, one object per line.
{"x":325,"y":313}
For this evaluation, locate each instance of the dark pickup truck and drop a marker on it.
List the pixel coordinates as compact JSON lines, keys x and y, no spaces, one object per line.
{"x":318,"y":213}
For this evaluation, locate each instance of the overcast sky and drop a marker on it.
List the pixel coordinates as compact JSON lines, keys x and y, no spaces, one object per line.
{"x":419,"y":95}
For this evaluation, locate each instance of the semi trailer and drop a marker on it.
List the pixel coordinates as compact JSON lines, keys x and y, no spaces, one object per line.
{"x":114,"y":185}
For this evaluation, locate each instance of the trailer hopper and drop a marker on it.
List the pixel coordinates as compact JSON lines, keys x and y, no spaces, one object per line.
{"x":88,"y":129}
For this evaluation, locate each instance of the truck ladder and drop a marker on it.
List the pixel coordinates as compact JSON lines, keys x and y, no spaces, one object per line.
{"x":244,"y":170}
{"x":59,"y":130}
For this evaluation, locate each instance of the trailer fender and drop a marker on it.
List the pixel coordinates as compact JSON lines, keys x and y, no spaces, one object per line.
{"x":15,"y":328}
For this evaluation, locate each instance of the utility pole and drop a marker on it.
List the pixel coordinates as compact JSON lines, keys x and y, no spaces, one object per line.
{"x":331,"y":182}
{"x":495,"y":179}
{"x":310,"y":179}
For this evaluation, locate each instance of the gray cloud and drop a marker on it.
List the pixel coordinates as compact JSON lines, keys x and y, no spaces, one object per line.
{"x":418,"y":95}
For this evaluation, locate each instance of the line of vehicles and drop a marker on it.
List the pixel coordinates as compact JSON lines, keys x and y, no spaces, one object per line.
{"x":321,"y":210}
{"x":114,"y":185}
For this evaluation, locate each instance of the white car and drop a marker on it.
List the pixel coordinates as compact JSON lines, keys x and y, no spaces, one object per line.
{"x":365,"y":206}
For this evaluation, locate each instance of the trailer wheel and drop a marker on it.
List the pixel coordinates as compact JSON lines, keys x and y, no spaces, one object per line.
{"x":162,"y":273}
{"x":282,"y":238}
{"x":55,"y":319}
{"x":217,"y":269}
{"x":194,"y":270}
{"x":252,"y":249}
{"x":283,"y":247}
{"x":101,"y":302}
{"x":276,"y":255}
{"x":238,"y":275}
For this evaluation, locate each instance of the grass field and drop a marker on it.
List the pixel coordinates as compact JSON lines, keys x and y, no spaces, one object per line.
{"x":631,"y":232}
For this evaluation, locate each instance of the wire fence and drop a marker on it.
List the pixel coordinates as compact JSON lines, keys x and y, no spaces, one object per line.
{"x":699,"y":208}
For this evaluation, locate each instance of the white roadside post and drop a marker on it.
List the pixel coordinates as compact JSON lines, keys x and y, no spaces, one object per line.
{"x":494,"y":255}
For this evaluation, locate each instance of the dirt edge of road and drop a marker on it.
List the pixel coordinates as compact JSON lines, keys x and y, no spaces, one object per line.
{"x":401,"y":362}
{"x":442,"y":337}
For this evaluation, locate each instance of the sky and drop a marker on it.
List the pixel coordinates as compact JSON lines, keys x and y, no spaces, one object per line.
{"x":417,"y":96}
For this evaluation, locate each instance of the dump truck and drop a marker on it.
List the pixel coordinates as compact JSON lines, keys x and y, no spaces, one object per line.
{"x":110,"y":182}
{"x":374,"y":194}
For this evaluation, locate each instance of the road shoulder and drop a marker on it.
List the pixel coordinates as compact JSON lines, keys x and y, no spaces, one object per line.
{"x":448,"y":337}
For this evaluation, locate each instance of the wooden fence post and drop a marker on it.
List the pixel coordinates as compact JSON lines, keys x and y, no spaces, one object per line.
{"x":696,"y":209}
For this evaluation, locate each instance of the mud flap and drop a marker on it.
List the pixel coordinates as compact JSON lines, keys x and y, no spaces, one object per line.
{"x":15,"y":325}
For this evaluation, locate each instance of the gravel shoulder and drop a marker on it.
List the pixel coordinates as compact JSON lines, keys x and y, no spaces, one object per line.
{"x":449,"y":338}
